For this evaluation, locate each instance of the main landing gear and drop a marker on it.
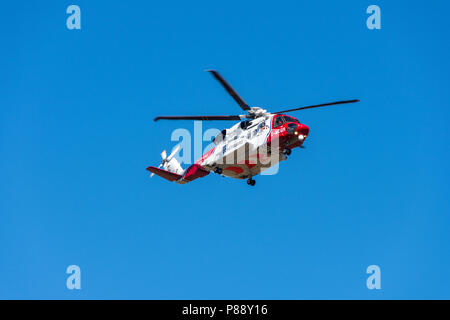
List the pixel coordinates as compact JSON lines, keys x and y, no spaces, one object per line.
{"x":287,"y":151}
{"x":251,"y":182}
{"x":218,"y":170}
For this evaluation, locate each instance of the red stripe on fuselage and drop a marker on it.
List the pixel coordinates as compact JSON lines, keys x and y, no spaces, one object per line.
{"x":205,"y":156}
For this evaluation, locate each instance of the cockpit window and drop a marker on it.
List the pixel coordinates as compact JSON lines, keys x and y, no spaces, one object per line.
{"x":278,"y":121}
{"x":290,"y":119}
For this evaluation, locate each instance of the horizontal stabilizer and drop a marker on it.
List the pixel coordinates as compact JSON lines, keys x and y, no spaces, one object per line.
{"x":164,"y":173}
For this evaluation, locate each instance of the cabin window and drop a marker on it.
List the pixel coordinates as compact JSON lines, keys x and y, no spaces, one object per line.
{"x":278,"y":121}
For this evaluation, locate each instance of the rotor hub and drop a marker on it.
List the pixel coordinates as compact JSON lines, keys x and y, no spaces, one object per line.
{"x":257,"y":112}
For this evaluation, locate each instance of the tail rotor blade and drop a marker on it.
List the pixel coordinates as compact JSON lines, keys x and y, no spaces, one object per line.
{"x":164,"y":154}
{"x":174,"y":151}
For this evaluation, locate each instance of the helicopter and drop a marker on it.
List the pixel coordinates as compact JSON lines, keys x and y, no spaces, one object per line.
{"x":260,"y":140}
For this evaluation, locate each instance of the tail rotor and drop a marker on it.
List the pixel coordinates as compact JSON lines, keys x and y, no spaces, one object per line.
{"x":166,"y":159}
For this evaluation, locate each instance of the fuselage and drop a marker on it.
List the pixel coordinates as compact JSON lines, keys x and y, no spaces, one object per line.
{"x":250,"y":147}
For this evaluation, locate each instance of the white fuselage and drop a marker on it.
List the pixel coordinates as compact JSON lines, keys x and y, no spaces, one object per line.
{"x":242,"y":152}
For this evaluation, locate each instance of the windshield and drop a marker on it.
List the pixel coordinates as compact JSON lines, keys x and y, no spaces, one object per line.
{"x":290,"y":119}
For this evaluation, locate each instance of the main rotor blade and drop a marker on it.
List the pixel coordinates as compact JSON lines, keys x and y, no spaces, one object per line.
{"x":204,"y":118}
{"x":319,"y":105}
{"x":230,"y":90}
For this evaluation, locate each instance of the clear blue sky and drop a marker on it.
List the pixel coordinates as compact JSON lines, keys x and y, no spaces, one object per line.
{"x":76,"y":114}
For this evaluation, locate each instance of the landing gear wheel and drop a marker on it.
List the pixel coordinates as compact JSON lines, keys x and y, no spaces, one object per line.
{"x":251,"y":182}
{"x":218,"y":170}
{"x":287,"y":151}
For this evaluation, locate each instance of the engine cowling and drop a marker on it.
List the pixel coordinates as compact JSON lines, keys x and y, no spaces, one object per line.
{"x":220,"y":137}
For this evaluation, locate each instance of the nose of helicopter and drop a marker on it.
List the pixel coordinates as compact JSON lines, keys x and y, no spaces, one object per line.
{"x":302,"y":131}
